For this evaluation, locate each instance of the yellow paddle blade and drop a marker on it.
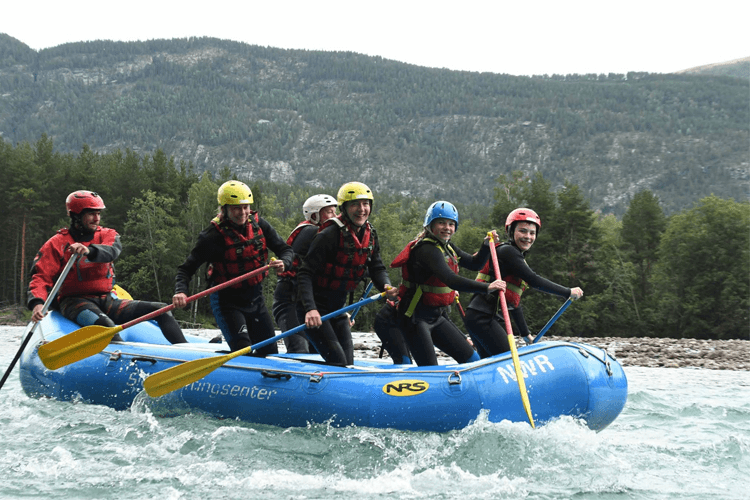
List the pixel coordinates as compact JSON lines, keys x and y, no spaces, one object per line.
{"x":521,"y":381}
{"x":171,"y":379}
{"x":76,"y":345}
{"x":122,"y":293}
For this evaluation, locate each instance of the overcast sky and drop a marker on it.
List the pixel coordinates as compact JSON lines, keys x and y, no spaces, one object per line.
{"x":517,"y":37}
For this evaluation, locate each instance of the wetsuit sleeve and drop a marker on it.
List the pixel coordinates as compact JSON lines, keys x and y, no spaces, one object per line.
{"x":106,"y":252}
{"x":473,"y":262}
{"x":512,"y":262}
{"x":208,"y":248}
{"x":322,"y":250}
{"x":430,"y":261}
{"x":277,"y":245}
{"x":376,"y":268}
{"x":301,"y":243}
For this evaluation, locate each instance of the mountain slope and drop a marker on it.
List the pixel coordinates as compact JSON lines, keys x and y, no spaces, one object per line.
{"x":323,"y":118}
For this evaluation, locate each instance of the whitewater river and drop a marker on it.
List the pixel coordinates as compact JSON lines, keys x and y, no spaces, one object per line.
{"x":684,"y":434}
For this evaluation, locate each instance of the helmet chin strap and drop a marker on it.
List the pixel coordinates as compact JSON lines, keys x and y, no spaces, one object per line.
{"x":225,"y":217}
{"x":345,"y":212}
{"x":511,"y":232}
{"x":429,"y":232}
{"x":76,"y":222}
{"x":76,"y":226}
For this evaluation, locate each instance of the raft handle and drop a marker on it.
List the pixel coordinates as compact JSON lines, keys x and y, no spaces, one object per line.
{"x":149,"y":360}
{"x":316,"y":377}
{"x":454,"y":378}
{"x":275,"y":375}
{"x":607,"y":365}
{"x":115,"y":356}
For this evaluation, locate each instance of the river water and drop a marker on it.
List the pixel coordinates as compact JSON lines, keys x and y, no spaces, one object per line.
{"x":684,"y":434}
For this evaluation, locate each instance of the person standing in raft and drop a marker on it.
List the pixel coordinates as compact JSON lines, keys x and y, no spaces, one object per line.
{"x":342,"y":252}
{"x":86,"y":296}
{"x":429,"y":267}
{"x":286,"y":310}
{"x":235,"y":243}
{"x":484,"y":320}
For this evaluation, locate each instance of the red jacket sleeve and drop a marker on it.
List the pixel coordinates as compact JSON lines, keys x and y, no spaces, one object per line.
{"x":46,"y":267}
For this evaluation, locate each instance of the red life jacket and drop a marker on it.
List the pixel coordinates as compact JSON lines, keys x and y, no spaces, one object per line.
{"x":432,"y":292}
{"x":243,"y":253}
{"x":297,"y":261}
{"x":352,"y":256}
{"x":514,"y":286}
{"x":87,"y":278}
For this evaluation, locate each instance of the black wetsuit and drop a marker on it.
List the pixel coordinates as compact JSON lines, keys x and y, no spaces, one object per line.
{"x":429,"y":326}
{"x":286,"y":310}
{"x":484,"y":319}
{"x":388,"y":329}
{"x":333,"y":340}
{"x":241,"y":313}
{"x":110,"y":311}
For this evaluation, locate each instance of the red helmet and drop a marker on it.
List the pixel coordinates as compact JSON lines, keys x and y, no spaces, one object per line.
{"x":78,"y":201}
{"x":522,"y":215}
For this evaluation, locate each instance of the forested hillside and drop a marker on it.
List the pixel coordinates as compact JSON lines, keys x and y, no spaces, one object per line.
{"x":309,"y":118}
{"x":644,"y":275}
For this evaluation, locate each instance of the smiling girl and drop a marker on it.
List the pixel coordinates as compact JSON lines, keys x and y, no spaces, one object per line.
{"x":429,"y":270}
{"x":483,"y":320}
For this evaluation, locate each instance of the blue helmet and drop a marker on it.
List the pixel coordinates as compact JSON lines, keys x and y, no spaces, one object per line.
{"x":441,"y":210}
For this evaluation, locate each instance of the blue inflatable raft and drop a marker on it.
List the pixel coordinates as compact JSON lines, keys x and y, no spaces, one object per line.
{"x":562,"y":378}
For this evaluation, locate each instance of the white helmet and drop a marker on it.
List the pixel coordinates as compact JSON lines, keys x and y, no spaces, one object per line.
{"x":314,"y":204}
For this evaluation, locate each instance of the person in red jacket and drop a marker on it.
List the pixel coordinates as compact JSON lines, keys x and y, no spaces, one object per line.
{"x":86,"y":295}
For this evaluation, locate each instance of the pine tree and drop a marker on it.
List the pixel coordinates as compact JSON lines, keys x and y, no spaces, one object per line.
{"x":642,"y":227}
{"x":702,"y":272}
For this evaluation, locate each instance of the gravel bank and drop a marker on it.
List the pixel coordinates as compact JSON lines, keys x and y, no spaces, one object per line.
{"x":634,"y":351}
{"x":629,"y":351}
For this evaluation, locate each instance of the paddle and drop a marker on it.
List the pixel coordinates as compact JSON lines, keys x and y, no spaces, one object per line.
{"x":45,"y":308}
{"x":92,"y":339}
{"x":460,"y":307}
{"x":179,"y":376}
{"x":553,"y":319}
{"x":511,"y":340}
{"x":364,"y":294}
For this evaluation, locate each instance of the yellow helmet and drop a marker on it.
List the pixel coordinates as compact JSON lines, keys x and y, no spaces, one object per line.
{"x":353,"y":191}
{"x":234,"y":193}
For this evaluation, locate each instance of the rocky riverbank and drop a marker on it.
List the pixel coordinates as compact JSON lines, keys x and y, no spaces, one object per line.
{"x":629,"y":351}
{"x":635,"y":351}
